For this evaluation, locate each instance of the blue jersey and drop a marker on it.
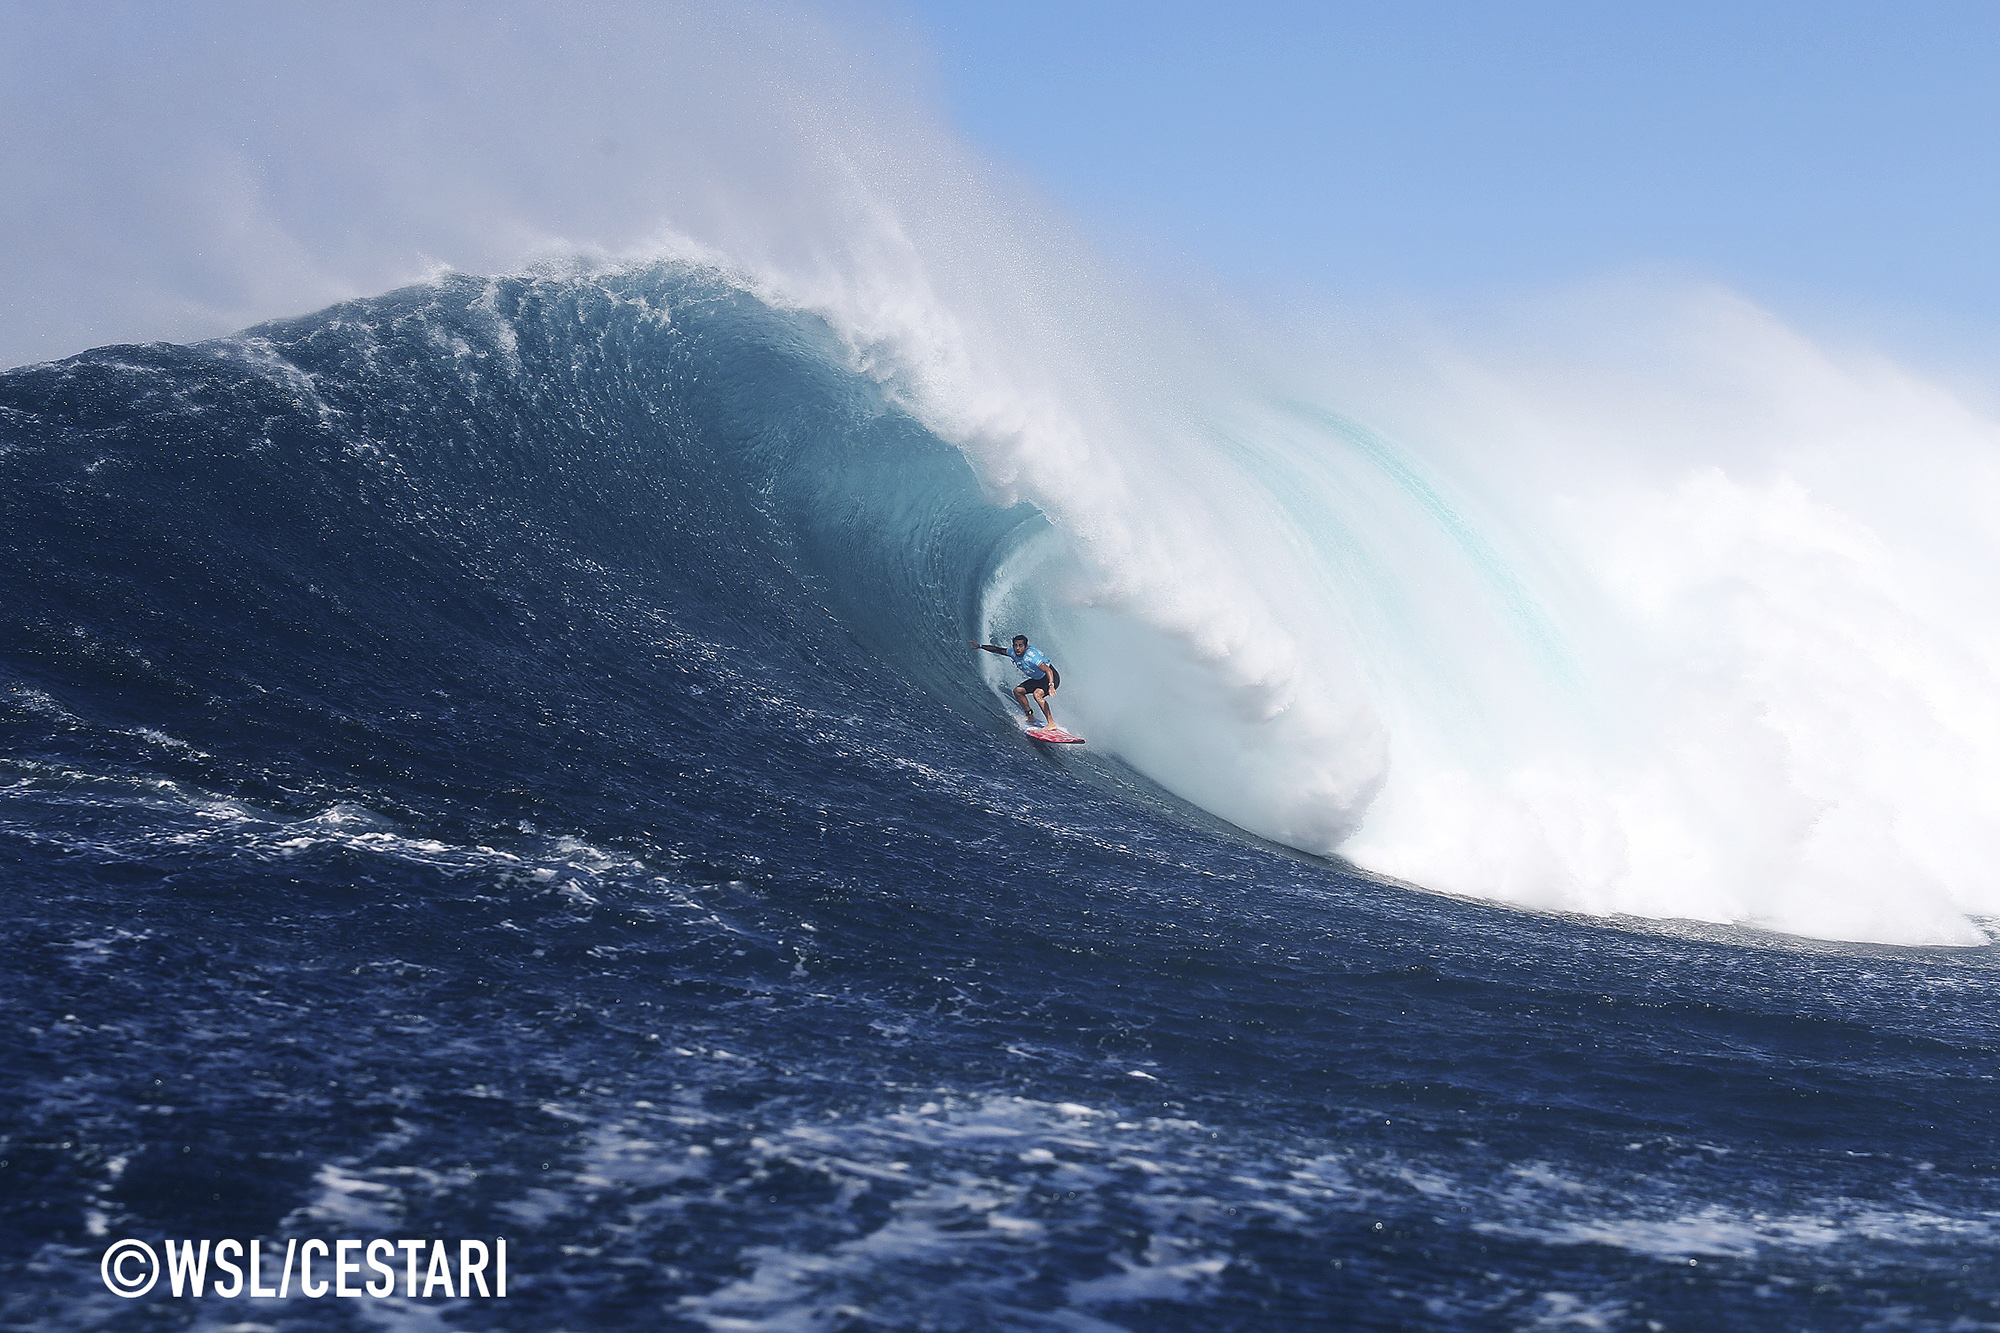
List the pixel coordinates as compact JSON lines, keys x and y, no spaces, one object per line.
{"x":1032,"y":663}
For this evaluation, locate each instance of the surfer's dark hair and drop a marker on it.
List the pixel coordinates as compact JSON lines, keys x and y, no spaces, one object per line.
{"x":1020,"y":638}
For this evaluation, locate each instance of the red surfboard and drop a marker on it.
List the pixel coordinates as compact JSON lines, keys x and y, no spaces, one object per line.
{"x":1054,"y":736}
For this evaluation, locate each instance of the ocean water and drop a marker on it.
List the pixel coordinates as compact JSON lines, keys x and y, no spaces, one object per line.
{"x":501,"y":759}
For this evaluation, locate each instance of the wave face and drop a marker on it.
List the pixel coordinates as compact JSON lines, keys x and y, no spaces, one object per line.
{"x":474,"y":538}
{"x":503,"y":755}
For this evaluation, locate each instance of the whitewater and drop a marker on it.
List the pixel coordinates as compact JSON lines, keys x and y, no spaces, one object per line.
{"x":497,"y":755}
{"x":1651,"y":631}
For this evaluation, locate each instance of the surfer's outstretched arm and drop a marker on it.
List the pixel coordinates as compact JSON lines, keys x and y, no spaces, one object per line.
{"x":988,"y":647}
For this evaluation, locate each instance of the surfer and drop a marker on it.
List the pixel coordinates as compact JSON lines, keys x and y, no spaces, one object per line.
{"x":1039,"y":678}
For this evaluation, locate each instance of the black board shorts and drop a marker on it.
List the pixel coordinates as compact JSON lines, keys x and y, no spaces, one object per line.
{"x":1041,"y":684}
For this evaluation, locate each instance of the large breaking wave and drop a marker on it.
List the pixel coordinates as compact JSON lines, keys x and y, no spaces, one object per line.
{"x":1667,"y":612}
{"x":1546,"y":657}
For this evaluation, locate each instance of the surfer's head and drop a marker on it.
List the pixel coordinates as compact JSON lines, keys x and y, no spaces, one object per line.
{"x":1020,"y":642}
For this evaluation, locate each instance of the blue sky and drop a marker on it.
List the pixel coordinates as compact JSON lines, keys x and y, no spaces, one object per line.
{"x":181,"y":178}
{"x":1831,"y":154}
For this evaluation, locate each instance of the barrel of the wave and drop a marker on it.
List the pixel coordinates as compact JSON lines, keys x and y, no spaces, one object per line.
{"x":1039,"y":680}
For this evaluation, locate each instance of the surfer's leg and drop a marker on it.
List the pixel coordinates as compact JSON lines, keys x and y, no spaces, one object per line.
{"x":1021,"y":698}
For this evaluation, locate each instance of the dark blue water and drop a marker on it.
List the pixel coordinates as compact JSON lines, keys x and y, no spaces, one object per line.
{"x":502,"y":759}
